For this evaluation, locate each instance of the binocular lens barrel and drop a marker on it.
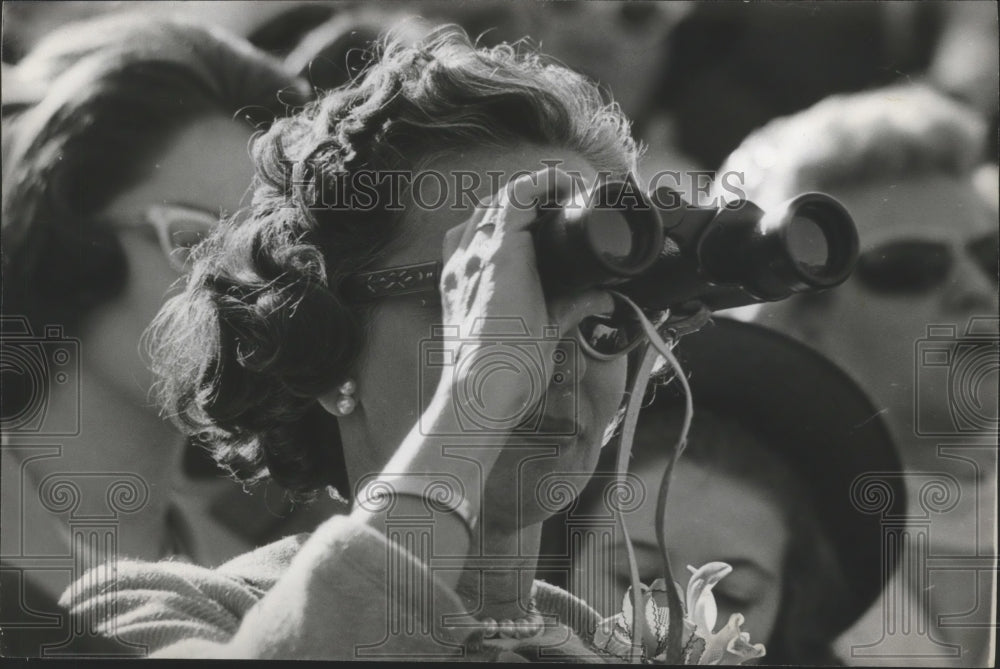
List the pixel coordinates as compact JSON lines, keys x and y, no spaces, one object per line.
{"x":617,"y":238}
{"x":820,"y":239}
{"x":722,"y":258}
{"x":808,"y":243}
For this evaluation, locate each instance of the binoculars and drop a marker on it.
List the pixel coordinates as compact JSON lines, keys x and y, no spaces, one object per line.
{"x":683,"y":257}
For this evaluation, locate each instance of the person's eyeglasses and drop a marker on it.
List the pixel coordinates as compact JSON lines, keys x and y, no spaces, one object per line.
{"x":178,"y":229}
{"x":912,"y":267}
{"x":601,"y":337}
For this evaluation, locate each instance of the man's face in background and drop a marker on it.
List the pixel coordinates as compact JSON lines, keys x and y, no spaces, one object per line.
{"x":928,"y":258}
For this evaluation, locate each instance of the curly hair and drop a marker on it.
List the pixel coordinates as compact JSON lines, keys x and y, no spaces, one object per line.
{"x":262,"y":328}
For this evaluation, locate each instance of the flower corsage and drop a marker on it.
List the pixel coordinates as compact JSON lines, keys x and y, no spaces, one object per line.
{"x":701,"y":644}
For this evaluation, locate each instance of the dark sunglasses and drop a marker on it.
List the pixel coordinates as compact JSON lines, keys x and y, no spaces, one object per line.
{"x":601,"y":337}
{"x":912,"y":267}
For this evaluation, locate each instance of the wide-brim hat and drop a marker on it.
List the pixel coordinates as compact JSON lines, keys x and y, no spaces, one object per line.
{"x":820,"y":422}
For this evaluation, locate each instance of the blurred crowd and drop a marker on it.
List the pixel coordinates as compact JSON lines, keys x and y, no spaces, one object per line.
{"x":136,"y":118}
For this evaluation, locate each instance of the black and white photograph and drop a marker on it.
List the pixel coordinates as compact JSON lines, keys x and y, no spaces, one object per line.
{"x":560,"y":331}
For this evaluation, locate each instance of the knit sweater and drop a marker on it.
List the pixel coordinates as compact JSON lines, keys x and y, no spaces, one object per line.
{"x":318,"y":596}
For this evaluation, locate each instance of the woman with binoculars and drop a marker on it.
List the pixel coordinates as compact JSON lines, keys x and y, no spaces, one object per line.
{"x":441,"y":413}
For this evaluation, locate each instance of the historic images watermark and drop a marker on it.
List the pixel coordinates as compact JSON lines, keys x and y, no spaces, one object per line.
{"x":579,"y":556}
{"x":366,"y":190}
{"x":39,"y":371}
{"x":91,"y":504}
{"x":939,"y":604}
{"x":33,"y":366}
{"x":955,"y":369}
{"x":501,"y":351}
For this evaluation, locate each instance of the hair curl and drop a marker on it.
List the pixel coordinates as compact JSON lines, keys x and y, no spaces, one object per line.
{"x":262,"y":329}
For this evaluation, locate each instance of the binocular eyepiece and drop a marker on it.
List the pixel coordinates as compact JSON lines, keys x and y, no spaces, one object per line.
{"x":683,"y":256}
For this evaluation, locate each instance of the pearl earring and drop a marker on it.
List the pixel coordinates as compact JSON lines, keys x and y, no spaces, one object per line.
{"x":345,"y":401}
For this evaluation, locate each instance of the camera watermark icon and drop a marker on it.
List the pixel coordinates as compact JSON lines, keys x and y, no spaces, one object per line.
{"x":956,"y":379}
{"x":33,"y":367}
{"x":938,"y":569}
{"x":587,"y":496}
{"x":508,"y":355}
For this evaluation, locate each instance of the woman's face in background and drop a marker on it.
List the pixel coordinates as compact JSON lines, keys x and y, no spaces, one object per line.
{"x":206,"y":168}
{"x":710,"y":517}
{"x":395,"y":383}
{"x":878,"y":334}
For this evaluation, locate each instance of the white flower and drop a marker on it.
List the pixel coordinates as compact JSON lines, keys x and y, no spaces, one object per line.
{"x":701,"y":643}
{"x":700,"y":604}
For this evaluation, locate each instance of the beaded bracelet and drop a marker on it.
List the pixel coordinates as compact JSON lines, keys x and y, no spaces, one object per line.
{"x":518,"y":628}
{"x":524,"y":627}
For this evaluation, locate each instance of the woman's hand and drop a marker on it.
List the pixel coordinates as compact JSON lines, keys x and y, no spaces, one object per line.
{"x":491,"y":291}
